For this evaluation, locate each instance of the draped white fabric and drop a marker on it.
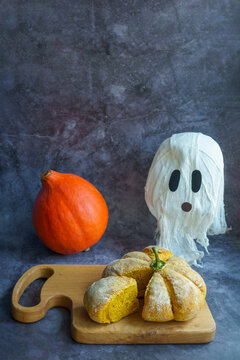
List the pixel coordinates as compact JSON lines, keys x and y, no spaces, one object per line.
{"x":177,"y":229}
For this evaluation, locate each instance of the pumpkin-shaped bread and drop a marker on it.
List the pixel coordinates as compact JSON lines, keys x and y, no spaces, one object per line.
{"x":172,"y":289}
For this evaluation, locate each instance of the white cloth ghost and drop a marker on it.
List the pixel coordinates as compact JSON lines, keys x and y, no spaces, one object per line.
{"x":184,"y":192}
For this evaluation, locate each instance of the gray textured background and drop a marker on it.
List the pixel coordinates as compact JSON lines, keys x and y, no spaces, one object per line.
{"x":93,"y":88}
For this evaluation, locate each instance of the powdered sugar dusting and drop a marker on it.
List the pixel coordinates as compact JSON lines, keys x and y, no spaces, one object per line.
{"x":119,"y":267}
{"x":180,"y":266}
{"x":137,"y":255}
{"x":157,"y":305}
{"x":101,"y":291}
{"x":187,"y":299}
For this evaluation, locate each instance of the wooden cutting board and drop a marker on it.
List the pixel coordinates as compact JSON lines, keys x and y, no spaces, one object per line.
{"x":66,"y":285}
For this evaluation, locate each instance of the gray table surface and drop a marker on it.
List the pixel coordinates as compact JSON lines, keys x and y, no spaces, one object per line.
{"x":50,"y":337}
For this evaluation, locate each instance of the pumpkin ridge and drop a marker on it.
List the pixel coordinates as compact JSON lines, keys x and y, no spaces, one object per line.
{"x":65,"y":197}
{"x":59,"y":217}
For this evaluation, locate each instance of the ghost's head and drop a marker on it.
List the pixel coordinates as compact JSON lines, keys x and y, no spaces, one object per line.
{"x":184,"y":191}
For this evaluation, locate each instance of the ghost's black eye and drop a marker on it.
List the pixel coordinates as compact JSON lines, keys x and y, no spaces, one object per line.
{"x":174,"y":180}
{"x":196,"y":180}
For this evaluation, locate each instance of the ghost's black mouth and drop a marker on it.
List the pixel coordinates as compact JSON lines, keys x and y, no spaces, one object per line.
{"x":186,"y":206}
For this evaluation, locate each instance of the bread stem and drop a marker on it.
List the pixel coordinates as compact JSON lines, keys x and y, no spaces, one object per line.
{"x":157,"y":263}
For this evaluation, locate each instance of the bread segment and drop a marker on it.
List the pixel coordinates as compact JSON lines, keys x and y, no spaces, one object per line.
{"x":183,"y":268}
{"x":110,"y":299}
{"x":135,"y":268}
{"x":157,"y":302}
{"x":137,"y":255}
{"x":164,"y":254}
{"x":186,"y":297}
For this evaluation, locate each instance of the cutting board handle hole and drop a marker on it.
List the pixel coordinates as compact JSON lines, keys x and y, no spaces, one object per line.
{"x":31,"y":295}
{"x":27,"y":291}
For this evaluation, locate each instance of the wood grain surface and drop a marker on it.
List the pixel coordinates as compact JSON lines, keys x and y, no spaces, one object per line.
{"x":66,"y":285}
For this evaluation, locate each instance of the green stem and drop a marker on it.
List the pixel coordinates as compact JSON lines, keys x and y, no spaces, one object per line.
{"x":45,"y":174}
{"x":157,"y":263}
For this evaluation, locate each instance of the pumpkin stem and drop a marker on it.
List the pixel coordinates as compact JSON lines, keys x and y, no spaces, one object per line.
{"x":45,"y":174}
{"x":157,"y":263}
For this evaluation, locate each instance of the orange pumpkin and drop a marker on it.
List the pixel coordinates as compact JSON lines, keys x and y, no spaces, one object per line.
{"x":69,"y":213}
